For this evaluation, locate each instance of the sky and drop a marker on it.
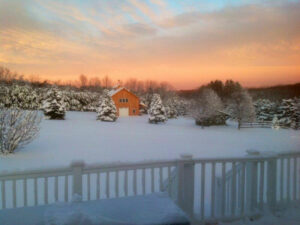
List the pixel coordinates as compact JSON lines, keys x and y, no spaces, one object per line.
{"x":186,"y":43}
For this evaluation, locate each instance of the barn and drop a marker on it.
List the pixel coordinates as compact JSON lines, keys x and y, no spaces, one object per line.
{"x":126,"y":102}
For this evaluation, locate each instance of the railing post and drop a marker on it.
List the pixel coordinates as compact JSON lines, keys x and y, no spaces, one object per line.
{"x":272,"y":183}
{"x":77,"y":167}
{"x":251,"y":182}
{"x":185,"y":192}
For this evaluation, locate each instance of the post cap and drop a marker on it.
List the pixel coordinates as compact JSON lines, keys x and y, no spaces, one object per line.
{"x":77,"y":163}
{"x":186,"y":156}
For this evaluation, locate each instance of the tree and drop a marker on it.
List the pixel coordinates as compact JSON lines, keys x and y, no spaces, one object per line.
{"x":17,"y":128}
{"x":53,"y":105}
{"x":107,"y":82}
{"x":107,"y":110}
{"x":83,"y":80}
{"x":240,"y":107}
{"x":207,"y":109}
{"x":157,"y":112}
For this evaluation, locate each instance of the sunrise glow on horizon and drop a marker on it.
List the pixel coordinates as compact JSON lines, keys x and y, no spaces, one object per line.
{"x":186,"y":43}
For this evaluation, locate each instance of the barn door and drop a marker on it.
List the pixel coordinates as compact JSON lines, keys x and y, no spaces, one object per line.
{"x":123,"y":112}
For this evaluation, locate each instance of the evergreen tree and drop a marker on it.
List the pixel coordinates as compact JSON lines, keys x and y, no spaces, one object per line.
{"x":157,"y":112}
{"x":265,"y":109}
{"x":107,"y":110}
{"x":170,"y":108}
{"x":53,"y":105}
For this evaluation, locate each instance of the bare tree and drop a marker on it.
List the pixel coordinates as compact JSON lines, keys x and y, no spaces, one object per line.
{"x":83,"y":80}
{"x":207,"y":108}
{"x":241,"y":107}
{"x":107,"y":82}
{"x":17,"y":128}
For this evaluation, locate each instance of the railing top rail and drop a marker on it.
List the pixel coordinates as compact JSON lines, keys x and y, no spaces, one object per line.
{"x":36,"y":173}
{"x":140,"y":165}
{"x":130,"y":165}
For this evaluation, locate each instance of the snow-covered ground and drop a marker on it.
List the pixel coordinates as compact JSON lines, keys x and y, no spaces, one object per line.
{"x":285,"y":217}
{"x":81,"y":137}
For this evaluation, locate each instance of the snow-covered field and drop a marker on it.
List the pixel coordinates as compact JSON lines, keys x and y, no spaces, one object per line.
{"x":81,"y":137}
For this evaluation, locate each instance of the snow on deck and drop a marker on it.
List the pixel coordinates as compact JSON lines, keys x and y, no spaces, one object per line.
{"x":81,"y":137}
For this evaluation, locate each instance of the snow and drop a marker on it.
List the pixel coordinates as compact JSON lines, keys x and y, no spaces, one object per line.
{"x":148,"y":209}
{"x":285,"y":217}
{"x":131,"y":139}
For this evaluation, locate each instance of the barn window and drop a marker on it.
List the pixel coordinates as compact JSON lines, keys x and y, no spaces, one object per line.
{"x":133,"y":111}
{"x":126,"y":100}
{"x":120,"y":100}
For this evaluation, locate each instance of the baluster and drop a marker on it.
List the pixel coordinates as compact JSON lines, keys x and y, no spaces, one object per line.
{"x":25,"y":191}
{"x":66,"y":188}
{"x":223,"y":189}
{"x":295,"y":180}
{"x":281,"y":179}
{"x":144,"y":181}
{"x":261,"y":184}
{"x":169,"y":179}
{"x":14,"y":193}
{"x":126,"y":183}
{"x":152,"y":180}
{"x":117,"y":184}
{"x":3,"y":194}
{"x":202,"y":189}
{"x":56,"y":188}
{"x":98,"y":186}
{"x":242,"y":197}
{"x":288,"y":179}
{"x":89,"y":186}
{"x":233,"y":189}
{"x":35,"y":192}
{"x":46,"y":190}
{"x":213,"y":190}
{"x":160,"y":178}
{"x":134,"y":182}
{"x":107,"y":184}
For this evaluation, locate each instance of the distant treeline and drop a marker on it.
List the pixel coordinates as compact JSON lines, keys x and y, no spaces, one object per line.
{"x":273,"y":93}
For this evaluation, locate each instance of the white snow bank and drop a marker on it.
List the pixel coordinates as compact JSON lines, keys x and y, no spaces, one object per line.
{"x":81,"y":137}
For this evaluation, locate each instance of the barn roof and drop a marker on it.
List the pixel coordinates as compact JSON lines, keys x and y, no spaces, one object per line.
{"x":113,"y":92}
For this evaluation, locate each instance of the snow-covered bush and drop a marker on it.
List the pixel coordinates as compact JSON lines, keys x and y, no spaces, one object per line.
{"x":107,"y":110}
{"x":240,"y":107}
{"x":53,"y":105}
{"x":207,"y":109}
{"x":157,"y":112}
{"x":17,"y":128}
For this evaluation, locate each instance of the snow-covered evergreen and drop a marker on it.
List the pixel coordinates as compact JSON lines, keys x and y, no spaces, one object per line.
{"x":107,"y":110}
{"x":157,"y":111}
{"x":53,"y":105}
{"x":288,"y":113}
{"x":265,"y":110}
{"x":170,"y":107}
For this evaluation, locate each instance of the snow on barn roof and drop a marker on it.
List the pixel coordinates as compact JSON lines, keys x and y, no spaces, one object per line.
{"x":115,"y":91}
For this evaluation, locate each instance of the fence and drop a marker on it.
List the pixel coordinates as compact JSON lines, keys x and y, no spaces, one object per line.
{"x":207,"y":190}
{"x":268,"y":124}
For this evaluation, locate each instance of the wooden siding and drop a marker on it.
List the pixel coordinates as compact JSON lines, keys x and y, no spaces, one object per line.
{"x":132,"y":104}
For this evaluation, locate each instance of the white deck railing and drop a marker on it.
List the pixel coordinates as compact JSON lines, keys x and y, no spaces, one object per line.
{"x":206,"y":189}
